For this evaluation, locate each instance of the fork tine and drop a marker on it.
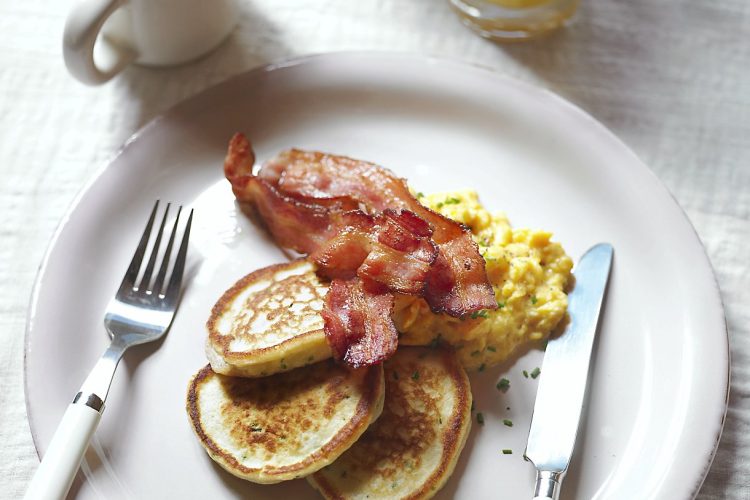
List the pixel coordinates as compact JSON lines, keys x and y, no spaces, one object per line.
{"x":146,"y":280}
{"x":159,"y":283}
{"x":173,"y":288}
{"x":128,"y":281}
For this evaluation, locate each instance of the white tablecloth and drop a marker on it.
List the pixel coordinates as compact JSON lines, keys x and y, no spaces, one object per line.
{"x":671,"y":78}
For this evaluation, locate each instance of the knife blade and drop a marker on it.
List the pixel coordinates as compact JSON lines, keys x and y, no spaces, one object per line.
{"x":562,"y":386}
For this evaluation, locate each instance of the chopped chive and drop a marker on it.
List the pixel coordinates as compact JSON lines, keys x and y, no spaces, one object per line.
{"x":535,"y":372}
{"x":440,"y":205}
{"x":526,"y":374}
{"x":481,"y":367}
{"x":491,"y":348}
{"x":507,"y":452}
{"x":415,"y":375}
{"x":500,"y":305}
{"x":533,"y":299}
{"x":503,"y":385}
{"x":507,"y":423}
{"x":479,"y":314}
{"x":255,"y":427}
{"x":475,"y":353}
{"x":472,"y":406}
{"x":452,"y":201}
{"x":420,"y":194}
{"x":480,"y":418}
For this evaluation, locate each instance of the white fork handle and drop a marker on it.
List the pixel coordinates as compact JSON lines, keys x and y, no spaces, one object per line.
{"x":60,"y":464}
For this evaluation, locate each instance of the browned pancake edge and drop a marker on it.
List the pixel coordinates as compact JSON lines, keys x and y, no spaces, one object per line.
{"x":452,"y":441}
{"x":368,"y":409}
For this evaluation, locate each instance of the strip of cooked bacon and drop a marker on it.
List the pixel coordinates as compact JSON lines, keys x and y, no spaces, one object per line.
{"x":392,"y":248}
{"x":293,"y":223}
{"x":357,"y":319}
{"x":403,"y":256}
{"x":358,"y":323}
{"x":457,"y":284}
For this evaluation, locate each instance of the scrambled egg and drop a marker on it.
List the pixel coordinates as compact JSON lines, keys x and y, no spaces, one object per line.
{"x":528,"y":272}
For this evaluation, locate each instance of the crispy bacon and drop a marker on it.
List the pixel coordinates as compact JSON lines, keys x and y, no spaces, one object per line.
{"x":292,"y":222}
{"x":358,"y":323}
{"x":457,"y":284}
{"x":392,"y":249}
{"x":365,"y":231}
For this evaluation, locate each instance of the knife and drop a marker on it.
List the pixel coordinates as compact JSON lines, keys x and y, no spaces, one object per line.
{"x":562,"y":387}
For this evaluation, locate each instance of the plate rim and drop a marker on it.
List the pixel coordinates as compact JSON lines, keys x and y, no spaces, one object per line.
{"x":296,"y":61}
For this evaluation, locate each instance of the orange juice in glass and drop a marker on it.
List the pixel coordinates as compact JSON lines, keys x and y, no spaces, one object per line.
{"x":509,"y":20}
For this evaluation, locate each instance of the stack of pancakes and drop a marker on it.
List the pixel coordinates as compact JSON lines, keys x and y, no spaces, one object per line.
{"x":272,"y":405}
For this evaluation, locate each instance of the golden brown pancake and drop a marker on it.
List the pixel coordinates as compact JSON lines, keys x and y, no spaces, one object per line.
{"x":284,"y":426}
{"x":412,"y":449}
{"x":269,"y":322}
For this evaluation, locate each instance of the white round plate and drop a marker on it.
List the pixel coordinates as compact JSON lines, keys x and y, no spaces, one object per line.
{"x":659,"y":381}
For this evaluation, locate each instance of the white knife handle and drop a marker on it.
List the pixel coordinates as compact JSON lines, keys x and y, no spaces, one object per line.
{"x":547,"y":485}
{"x":60,"y":463}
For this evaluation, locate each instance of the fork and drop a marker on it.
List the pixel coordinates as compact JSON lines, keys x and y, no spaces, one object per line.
{"x":140,"y":312}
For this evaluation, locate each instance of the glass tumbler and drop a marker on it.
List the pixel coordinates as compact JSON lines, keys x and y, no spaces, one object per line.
{"x":514,"y":20}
